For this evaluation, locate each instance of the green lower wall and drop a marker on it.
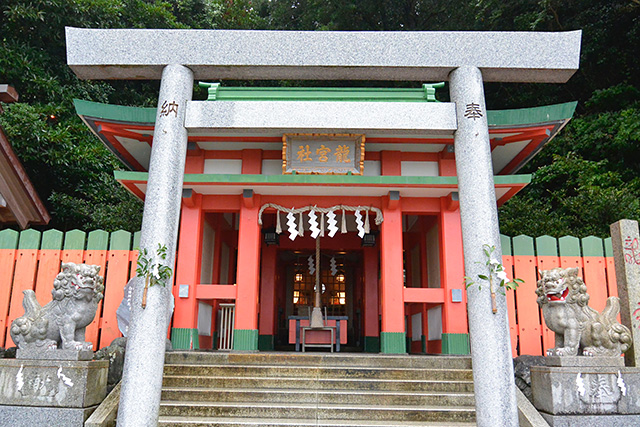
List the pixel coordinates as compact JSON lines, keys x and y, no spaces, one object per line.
{"x":245,"y":339}
{"x":184,"y":339}
{"x":266,"y":342}
{"x":393,"y":342}
{"x":455,"y":344}
{"x":372,"y":344}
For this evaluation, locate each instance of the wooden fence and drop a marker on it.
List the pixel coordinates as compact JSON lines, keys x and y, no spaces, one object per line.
{"x":31,"y":260}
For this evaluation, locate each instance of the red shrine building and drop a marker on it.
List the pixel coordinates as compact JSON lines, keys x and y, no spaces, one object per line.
{"x":372,"y":215}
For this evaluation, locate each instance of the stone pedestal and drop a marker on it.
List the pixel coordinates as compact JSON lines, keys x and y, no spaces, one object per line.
{"x":50,"y":392}
{"x":54,"y":354}
{"x":586,"y":395}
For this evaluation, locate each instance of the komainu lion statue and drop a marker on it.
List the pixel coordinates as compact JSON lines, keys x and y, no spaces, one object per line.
{"x":77,"y":289}
{"x":563,"y":297}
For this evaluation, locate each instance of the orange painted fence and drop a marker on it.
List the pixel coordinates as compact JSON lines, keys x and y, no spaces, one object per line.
{"x":31,"y":260}
{"x":524,"y":256}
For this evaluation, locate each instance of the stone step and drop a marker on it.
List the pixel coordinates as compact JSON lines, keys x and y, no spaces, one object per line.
{"x":317,"y":411}
{"x":322,"y":384}
{"x":319,"y":359}
{"x":277,"y":422}
{"x":324,"y":372}
{"x":323,"y":396}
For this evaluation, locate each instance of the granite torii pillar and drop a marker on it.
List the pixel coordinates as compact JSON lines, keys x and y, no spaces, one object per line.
{"x":144,"y":362}
{"x":493,"y":380}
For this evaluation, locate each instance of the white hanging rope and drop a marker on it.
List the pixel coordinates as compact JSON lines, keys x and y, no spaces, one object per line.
{"x":331,"y":222}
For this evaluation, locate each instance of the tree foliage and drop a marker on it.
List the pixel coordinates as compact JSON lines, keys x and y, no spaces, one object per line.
{"x":584,"y":179}
{"x":71,"y":170}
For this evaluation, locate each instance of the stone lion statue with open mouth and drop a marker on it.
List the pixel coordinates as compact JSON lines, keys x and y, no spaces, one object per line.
{"x":61,"y":324}
{"x":563,"y":297}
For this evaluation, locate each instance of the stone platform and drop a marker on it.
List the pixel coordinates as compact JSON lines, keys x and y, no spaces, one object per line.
{"x":588,"y":394}
{"x":50,"y":392}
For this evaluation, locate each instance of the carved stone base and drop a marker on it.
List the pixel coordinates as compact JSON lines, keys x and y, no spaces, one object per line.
{"x":586,"y":395}
{"x":49,"y":388}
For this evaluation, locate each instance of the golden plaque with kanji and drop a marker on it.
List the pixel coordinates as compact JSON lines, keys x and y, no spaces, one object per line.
{"x":323,"y":153}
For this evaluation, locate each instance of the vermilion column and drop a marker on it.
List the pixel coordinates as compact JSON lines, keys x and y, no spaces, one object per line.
{"x":370,"y":296}
{"x":393,"y":336}
{"x":247,"y":277}
{"x":267,"y":321}
{"x":184,"y":333}
{"x":455,"y":336}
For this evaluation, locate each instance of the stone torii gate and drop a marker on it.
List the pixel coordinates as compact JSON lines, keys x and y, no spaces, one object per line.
{"x":465,"y":59}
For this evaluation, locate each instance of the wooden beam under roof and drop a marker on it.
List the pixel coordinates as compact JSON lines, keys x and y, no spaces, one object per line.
{"x":22,"y":203}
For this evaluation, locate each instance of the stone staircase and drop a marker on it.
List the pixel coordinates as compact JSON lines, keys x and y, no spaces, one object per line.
{"x":315,"y":389}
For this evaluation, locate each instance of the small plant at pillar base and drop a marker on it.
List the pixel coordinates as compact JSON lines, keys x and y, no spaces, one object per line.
{"x":154,"y":273}
{"x":496,"y":273}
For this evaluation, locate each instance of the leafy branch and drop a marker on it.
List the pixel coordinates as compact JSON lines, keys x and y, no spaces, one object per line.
{"x":154,"y":273}
{"x":496,"y":271}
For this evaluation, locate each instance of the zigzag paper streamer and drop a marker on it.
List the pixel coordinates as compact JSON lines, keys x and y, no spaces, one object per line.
{"x":333,"y":266}
{"x":312,"y":265}
{"x":359,"y":224}
{"x":291,"y":223}
{"x":332,"y":223}
{"x":313,"y":224}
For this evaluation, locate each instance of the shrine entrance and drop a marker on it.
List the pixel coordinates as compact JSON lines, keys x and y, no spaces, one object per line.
{"x":335,"y":261}
{"x":340,"y":296}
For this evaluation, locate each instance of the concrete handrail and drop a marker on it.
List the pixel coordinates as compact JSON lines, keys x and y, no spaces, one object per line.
{"x":105,"y":414}
{"x":528,"y":415}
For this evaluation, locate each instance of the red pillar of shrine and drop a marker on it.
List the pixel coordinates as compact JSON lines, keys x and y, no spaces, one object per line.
{"x":371,"y":304}
{"x":184,"y":333}
{"x":267,"y":320}
{"x":424,"y":283}
{"x":455,"y":335}
{"x":393,"y":335}
{"x":245,"y":335}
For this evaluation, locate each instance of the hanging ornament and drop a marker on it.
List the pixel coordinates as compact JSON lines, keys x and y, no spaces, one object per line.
{"x":278,"y":226}
{"x":333,"y":266}
{"x":291,"y":223}
{"x":301,"y":226}
{"x":367,"y":227}
{"x":312,"y":265}
{"x":359,"y":224}
{"x":322,"y":225}
{"x":313,"y":224}
{"x":343,"y":229}
{"x":332,"y":223}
